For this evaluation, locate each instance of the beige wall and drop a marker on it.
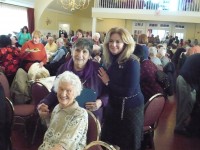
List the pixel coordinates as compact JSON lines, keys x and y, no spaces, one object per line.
{"x":40,"y":6}
{"x":74,"y":20}
{"x":190,"y":32}
{"x":197,"y":31}
{"x":105,"y":24}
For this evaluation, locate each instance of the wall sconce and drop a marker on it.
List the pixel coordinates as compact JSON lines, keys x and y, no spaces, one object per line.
{"x":48,"y":21}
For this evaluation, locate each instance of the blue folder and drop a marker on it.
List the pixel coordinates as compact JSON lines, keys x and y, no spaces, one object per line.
{"x":87,"y":95}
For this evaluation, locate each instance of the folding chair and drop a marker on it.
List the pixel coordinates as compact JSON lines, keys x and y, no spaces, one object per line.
{"x":152,"y":112}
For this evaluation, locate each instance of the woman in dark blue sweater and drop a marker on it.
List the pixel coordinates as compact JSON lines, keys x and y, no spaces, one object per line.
{"x":124,"y":114}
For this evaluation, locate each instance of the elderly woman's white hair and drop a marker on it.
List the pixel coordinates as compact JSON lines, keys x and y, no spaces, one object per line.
{"x":162,"y":51}
{"x":60,"y":40}
{"x":96,"y":35}
{"x":71,"y":78}
{"x":152,"y":51}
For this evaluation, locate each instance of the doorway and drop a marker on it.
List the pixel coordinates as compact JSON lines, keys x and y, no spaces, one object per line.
{"x":64,"y":27}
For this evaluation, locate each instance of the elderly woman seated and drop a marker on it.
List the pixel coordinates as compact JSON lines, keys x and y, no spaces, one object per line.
{"x":153,"y":57}
{"x":69,"y":122}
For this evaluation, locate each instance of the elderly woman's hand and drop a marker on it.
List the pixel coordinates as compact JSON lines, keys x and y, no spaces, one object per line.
{"x":43,"y":110}
{"x":93,"y":106}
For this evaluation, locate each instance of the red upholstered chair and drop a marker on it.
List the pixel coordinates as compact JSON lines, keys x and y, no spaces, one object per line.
{"x":152,"y":112}
{"x":97,"y":145}
{"x":38,"y":92}
{"x":94,"y":128}
{"x":23,"y":112}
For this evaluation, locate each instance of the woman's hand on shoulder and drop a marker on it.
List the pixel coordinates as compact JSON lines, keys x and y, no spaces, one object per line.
{"x":103,"y":76}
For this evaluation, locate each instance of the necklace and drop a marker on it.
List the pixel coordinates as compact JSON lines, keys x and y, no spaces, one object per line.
{"x":83,"y":82}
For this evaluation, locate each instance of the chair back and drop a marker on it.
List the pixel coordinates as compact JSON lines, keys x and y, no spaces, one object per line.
{"x":38,"y":92}
{"x":97,"y":145}
{"x":94,"y":128}
{"x":10,"y":114}
{"x":5,"y":84}
{"x":9,"y":121}
{"x":153,"y":109}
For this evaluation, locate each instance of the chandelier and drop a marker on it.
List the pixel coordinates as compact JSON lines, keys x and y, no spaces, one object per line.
{"x":74,"y":4}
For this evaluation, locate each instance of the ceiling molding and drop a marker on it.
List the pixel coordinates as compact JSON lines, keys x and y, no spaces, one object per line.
{"x":57,"y":11}
{"x":23,"y":3}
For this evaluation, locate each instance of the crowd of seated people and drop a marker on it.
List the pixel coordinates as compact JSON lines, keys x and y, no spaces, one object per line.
{"x":86,"y":56}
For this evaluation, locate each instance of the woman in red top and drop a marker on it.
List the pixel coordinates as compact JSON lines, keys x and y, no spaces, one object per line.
{"x":33,"y":51}
{"x":9,"y":58}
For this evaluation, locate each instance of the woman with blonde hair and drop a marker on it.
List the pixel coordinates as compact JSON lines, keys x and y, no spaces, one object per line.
{"x":33,"y":51}
{"x":122,"y":78}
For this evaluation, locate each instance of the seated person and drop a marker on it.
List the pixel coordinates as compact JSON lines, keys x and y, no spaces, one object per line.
{"x":162,"y":55}
{"x":79,"y":34}
{"x":14,"y":42}
{"x":187,"y":84}
{"x":58,"y":58}
{"x":62,"y":51}
{"x":9,"y":58}
{"x":153,"y":57}
{"x":87,"y":70}
{"x":97,"y":47}
{"x":33,"y":51}
{"x":71,"y":130}
{"x":148,"y":82}
{"x":20,"y":88}
{"x":51,"y":46}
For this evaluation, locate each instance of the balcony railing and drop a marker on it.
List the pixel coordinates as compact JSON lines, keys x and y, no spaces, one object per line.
{"x":166,"y":5}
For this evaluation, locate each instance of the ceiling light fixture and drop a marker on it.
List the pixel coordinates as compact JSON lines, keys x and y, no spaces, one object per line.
{"x":74,"y":4}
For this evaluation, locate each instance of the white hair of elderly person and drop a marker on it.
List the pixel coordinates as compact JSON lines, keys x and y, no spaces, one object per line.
{"x":36,"y":72}
{"x":162,"y":55}
{"x":153,"y":57}
{"x":97,"y":43}
{"x":69,"y":122}
{"x":97,"y":47}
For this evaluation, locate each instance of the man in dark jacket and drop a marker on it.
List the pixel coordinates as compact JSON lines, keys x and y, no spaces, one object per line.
{"x":187,"y":84}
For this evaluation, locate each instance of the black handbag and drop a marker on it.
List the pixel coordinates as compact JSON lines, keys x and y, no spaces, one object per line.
{"x":162,"y":79}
